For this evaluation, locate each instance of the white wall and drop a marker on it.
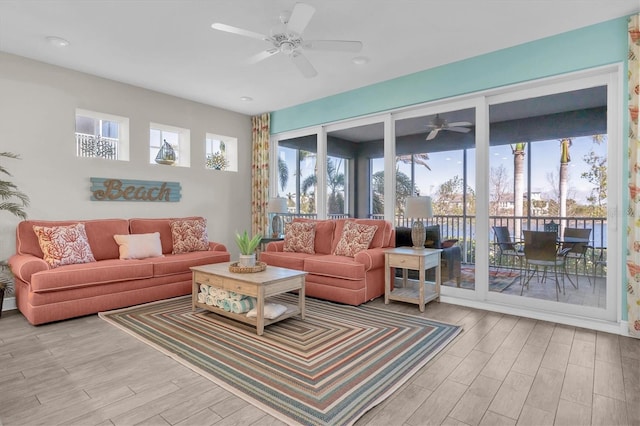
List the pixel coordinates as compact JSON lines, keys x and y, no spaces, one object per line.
{"x":37,"y":121}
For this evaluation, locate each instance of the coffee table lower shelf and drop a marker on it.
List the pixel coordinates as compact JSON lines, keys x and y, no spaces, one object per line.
{"x":292,"y":311}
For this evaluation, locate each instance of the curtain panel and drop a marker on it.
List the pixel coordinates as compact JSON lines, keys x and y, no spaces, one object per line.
{"x":260,"y":173}
{"x":633,"y":227}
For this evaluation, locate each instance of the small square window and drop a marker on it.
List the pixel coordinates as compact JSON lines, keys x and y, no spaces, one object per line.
{"x":100,"y":135}
{"x":221,"y":152}
{"x":169,"y":145}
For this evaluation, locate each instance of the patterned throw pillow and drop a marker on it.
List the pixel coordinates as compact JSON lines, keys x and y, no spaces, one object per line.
{"x":355,"y":238}
{"x":64,"y":245}
{"x":189,"y":235}
{"x":300,"y":237}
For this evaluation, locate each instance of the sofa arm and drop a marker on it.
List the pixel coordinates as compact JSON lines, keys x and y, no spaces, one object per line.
{"x":213,"y":246}
{"x":275,"y":246}
{"x":25,"y":265}
{"x":371,"y":258}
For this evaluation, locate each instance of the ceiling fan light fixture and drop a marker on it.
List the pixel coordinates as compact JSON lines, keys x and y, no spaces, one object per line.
{"x":287,"y":39}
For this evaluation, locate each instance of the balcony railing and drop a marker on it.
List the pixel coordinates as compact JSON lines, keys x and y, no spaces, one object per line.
{"x":96,"y":146}
{"x":463,"y":229}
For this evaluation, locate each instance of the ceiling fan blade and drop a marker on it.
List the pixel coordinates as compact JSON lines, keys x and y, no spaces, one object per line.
{"x":300,"y":17}
{"x":303,"y":65}
{"x":262,"y":56}
{"x":432,"y":134}
{"x":235,"y":30}
{"x":460,"y":124}
{"x":458,"y":129}
{"x":336,"y":45}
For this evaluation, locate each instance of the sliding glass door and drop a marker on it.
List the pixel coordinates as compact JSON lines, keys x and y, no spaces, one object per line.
{"x":550,"y":150}
{"x":497,"y":165}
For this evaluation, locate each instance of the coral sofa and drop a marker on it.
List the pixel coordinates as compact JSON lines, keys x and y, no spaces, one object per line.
{"x":350,"y":280}
{"x":45,"y":293}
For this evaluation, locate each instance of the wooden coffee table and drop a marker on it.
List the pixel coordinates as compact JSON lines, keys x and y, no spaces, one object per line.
{"x":261,"y":285}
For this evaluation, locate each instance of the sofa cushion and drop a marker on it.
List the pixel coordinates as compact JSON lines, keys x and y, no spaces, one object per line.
{"x":163,"y":226}
{"x":100,"y":234}
{"x":323,"y":242}
{"x":180,"y":263}
{"x":300,"y":237}
{"x":139,"y":246}
{"x":334,"y":266}
{"x":383,"y":233}
{"x":189,"y":235}
{"x":64,"y":245}
{"x":289,"y":260}
{"x":355,"y":238}
{"x":381,"y":238}
{"x":90,"y":274}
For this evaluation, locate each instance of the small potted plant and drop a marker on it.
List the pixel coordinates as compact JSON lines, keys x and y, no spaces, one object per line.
{"x":247,"y":246}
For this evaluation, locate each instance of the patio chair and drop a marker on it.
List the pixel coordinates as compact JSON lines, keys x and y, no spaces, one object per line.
{"x":551,"y":227}
{"x":577,"y":241}
{"x":506,"y":246}
{"x":600,"y":261}
{"x":540,"y":250}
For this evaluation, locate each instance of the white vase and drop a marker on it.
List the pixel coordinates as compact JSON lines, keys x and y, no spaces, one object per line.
{"x":248,"y":260}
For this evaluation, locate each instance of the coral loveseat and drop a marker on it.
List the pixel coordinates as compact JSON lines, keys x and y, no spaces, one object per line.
{"x":350,"y":280}
{"x":45,"y":293}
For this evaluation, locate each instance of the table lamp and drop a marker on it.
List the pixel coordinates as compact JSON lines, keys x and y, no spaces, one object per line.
{"x":275,"y":206}
{"x":418,"y":208}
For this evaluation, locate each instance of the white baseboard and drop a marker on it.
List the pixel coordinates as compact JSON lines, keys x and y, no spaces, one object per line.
{"x":619,"y":327}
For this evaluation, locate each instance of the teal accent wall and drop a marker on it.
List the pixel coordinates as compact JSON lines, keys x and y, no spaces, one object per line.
{"x":584,"y":48}
{"x":588,"y":47}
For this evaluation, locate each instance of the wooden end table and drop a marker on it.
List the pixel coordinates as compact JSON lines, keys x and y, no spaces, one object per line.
{"x":416,"y":259}
{"x":261,"y":285}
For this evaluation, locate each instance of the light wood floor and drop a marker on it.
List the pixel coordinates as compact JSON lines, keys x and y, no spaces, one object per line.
{"x":502,"y":370}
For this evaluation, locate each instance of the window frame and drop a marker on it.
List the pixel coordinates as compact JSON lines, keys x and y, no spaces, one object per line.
{"x":183,"y":153}
{"x":123,"y":132}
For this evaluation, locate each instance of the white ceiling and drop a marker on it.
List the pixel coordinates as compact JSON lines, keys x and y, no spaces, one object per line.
{"x":169,"y":46}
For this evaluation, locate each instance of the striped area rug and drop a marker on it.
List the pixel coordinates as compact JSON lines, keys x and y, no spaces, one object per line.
{"x":328,"y":369}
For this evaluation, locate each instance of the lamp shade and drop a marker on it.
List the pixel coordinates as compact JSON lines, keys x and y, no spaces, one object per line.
{"x":419,"y":207}
{"x":277,"y":205}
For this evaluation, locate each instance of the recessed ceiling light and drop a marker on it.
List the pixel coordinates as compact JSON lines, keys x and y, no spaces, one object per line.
{"x":246,"y":98}
{"x":57,"y":41}
{"x":360,"y":60}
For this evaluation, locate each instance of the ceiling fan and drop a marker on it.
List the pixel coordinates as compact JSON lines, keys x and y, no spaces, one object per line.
{"x":287,"y":39}
{"x":441,"y":124}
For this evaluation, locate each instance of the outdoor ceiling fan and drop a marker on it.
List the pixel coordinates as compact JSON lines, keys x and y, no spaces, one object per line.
{"x":287,"y":39}
{"x":441,"y":124}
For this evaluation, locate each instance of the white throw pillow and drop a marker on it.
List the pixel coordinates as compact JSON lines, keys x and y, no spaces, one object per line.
{"x":271,"y":311}
{"x":139,"y":246}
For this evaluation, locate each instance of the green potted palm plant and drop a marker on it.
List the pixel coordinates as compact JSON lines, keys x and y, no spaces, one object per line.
{"x":247,"y":246}
{"x":13,"y":201}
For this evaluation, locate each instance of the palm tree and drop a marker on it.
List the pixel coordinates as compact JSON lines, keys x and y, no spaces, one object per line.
{"x":335,"y":181}
{"x":404,"y":189}
{"x":415,"y":158}
{"x":565,"y":158}
{"x":9,"y":191}
{"x":518,"y":183}
{"x":283,"y":173}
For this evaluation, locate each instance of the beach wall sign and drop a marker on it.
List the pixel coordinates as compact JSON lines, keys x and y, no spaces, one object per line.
{"x":110,"y":189}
